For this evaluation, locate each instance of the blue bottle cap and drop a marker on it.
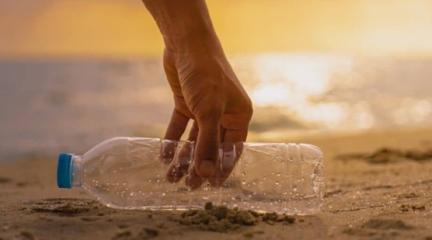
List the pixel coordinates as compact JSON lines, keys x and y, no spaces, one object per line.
{"x":64,"y":170}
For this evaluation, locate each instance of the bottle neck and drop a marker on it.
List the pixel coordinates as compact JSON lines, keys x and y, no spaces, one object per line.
{"x":76,"y":171}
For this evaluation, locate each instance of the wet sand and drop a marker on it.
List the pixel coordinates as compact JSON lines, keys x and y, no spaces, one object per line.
{"x":379,"y":186}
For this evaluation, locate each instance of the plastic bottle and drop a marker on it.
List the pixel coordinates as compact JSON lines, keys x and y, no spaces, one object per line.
{"x":127,"y":173}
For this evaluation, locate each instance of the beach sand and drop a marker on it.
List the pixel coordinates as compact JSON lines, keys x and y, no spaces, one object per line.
{"x":371,"y":193}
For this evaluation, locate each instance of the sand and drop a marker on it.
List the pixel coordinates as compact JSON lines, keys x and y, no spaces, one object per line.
{"x":379,"y":186}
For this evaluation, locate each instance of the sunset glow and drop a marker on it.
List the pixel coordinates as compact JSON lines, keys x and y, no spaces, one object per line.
{"x":125,"y":28}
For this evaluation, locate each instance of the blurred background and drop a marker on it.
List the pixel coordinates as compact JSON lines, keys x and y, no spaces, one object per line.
{"x":73,"y":73}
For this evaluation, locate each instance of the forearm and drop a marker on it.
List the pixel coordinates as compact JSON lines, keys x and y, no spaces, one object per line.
{"x":185,"y":25}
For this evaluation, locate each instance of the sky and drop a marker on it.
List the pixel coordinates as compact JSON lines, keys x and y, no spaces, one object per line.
{"x":113,"y":28}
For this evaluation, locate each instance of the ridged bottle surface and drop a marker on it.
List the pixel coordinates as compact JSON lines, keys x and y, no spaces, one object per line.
{"x":128,"y":173}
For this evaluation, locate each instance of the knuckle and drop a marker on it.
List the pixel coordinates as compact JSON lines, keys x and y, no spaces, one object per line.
{"x":209,"y":114}
{"x":208,"y":106}
{"x":249,"y":109}
{"x":182,"y":110}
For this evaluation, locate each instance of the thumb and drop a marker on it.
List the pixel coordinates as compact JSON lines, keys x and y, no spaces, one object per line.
{"x":206,"y":152}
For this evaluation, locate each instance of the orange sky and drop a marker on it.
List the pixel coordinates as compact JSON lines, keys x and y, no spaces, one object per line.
{"x":124,"y":28}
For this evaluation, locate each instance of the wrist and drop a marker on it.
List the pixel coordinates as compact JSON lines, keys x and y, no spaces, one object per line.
{"x":193,"y":42}
{"x":185,"y":25}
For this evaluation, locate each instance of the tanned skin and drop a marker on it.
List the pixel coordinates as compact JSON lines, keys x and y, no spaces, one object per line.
{"x":205,"y":89}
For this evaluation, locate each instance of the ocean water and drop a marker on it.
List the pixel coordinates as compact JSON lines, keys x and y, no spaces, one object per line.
{"x":52,"y":105}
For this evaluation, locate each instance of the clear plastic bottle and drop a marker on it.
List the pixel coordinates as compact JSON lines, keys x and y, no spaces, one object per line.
{"x":127,"y":173}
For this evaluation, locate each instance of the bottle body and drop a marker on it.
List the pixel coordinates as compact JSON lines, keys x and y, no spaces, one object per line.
{"x":127,"y":173}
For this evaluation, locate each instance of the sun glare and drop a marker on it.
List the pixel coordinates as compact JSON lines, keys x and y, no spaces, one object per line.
{"x":291,"y":81}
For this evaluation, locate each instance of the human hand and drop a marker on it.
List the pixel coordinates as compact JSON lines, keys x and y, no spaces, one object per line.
{"x":207,"y":91}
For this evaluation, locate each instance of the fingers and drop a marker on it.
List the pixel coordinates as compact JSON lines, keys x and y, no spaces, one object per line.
{"x":193,"y":134}
{"x":177,"y":126}
{"x":222,"y":131}
{"x":182,"y":160}
{"x":175,"y":130}
{"x":193,"y":180}
{"x":235,"y":135}
{"x":167,"y":150}
{"x":230,"y":152}
{"x":181,"y":163}
{"x":206,"y":151}
{"x":212,"y":160}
